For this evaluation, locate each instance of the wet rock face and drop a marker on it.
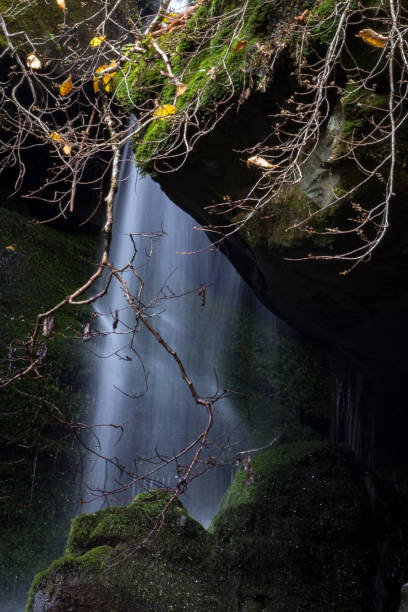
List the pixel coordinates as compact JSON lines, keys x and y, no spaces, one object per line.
{"x":404,"y":599}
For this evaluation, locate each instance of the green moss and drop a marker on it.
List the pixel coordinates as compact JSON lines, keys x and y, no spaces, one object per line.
{"x":204,"y":57}
{"x":43,"y":20}
{"x":292,"y":533}
{"x":161,"y":572}
{"x":275,"y":228}
{"x":299,"y":528}
{"x":37,"y":456}
{"x":272,"y":402}
{"x":361,"y":109}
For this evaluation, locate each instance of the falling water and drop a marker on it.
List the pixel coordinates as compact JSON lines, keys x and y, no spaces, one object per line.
{"x":143,"y":409}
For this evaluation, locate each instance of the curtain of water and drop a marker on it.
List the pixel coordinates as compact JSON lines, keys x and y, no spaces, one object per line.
{"x":164,"y":419}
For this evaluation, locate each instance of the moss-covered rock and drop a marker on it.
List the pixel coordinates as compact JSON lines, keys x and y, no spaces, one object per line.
{"x":294,"y":532}
{"x":110,"y":563}
{"x":37,"y":453}
{"x":222,"y":52}
{"x":44,"y":23}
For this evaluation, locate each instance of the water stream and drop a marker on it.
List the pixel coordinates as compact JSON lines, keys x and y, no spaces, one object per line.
{"x":163,"y":418}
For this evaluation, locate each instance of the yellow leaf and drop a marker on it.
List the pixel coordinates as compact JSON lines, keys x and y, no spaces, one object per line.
{"x":180,"y":88}
{"x":100,"y":68}
{"x":95,"y":42}
{"x":66,"y":86}
{"x":67,"y":148}
{"x":372,"y":38}
{"x":61,"y":5}
{"x":55,"y":136}
{"x":106,"y":79}
{"x":164,"y":111}
{"x":10,"y":247}
{"x":259,"y":162}
{"x":95,"y":81}
{"x":33,"y":62}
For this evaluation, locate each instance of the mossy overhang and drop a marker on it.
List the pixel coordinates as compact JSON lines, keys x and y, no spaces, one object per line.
{"x":359,"y":316}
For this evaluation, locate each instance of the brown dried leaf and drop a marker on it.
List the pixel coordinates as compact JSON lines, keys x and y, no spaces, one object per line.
{"x":241,"y":44}
{"x":48,"y":326}
{"x":303,"y":16}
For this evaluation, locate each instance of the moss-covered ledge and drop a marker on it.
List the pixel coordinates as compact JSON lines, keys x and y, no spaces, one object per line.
{"x":360,"y":317}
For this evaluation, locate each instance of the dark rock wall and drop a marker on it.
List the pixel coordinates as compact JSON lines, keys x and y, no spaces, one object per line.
{"x":359,"y":318}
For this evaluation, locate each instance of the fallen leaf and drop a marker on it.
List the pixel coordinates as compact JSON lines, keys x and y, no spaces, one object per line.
{"x":180,"y":88}
{"x":95,"y":42}
{"x":244,"y":95}
{"x":66,"y":86}
{"x":10,"y":248}
{"x":259,"y":162}
{"x":164,"y":111}
{"x":33,"y":62}
{"x":240,"y":45}
{"x":66,"y":146}
{"x":61,"y":5}
{"x":372,"y":38}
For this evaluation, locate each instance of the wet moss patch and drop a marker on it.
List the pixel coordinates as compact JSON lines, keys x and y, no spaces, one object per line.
{"x":37,"y":456}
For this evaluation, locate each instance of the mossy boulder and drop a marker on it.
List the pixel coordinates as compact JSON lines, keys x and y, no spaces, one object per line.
{"x":111,"y":564}
{"x":294,"y":532}
{"x":293,"y":526}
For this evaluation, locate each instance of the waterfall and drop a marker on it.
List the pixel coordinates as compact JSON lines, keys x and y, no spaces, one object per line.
{"x":143,"y":409}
